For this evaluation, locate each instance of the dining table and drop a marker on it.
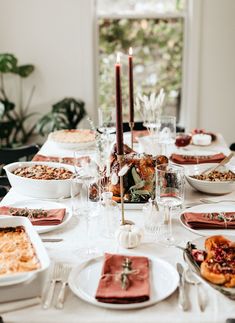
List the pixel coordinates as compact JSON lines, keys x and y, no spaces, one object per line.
{"x":218,"y":307}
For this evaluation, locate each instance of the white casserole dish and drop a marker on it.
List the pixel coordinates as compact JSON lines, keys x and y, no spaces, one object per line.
{"x":12,"y":221}
{"x":39,"y":188}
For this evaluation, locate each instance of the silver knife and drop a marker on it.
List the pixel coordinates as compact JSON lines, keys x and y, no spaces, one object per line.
{"x":52,"y":239}
{"x":183,"y":300}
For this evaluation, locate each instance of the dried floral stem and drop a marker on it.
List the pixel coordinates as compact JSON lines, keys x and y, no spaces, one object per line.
{"x":40,"y":213}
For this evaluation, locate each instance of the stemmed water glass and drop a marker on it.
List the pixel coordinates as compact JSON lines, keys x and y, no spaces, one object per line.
{"x":85,"y":174}
{"x":167,"y":133}
{"x":106,"y":120}
{"x":169,"y":196}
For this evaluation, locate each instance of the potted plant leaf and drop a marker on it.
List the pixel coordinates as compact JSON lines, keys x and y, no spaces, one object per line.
{"x":13,"y":129}
{"x":65,"y":114}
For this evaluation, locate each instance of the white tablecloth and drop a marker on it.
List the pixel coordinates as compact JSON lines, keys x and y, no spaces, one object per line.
{"x":217,"y":310}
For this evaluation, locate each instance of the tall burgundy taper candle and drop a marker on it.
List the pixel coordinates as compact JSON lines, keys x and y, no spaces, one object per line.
{"x":119,"y":125}
{"x":131,"y":89}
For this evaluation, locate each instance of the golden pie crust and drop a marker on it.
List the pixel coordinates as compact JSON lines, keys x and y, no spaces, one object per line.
{"x":73,"y":136}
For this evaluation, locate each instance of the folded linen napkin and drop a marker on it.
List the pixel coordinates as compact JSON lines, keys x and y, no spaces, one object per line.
{"x":222,"y":220}
{"x":187,"y":159}
{"x":64,"y":160}
{"x":36,"y":216}
{"x":113,"y":289}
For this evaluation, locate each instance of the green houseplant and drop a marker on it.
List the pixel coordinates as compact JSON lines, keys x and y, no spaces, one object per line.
{"x":13,"y":130}
{"x":65,"y":114}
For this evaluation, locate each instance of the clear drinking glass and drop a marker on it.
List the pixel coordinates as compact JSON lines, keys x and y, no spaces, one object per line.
{"x":167,"y":133}
{"x":110,"y":215}
{"x":82,"y":206}
{"x":183,"y":139}
{"x":169,"y":195}
{"x":153,"y":219}
{"x":107,"y":123}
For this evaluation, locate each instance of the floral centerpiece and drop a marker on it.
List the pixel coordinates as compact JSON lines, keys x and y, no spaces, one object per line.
{"x":150,"y":109}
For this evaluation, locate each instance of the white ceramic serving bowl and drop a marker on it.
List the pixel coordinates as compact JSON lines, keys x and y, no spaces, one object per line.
{"x":39,"y":188}
{"x":14,"y":221}
{"x":216,"y":188}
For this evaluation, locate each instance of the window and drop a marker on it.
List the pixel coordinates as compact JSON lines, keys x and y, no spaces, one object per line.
{"x":155,"y":30}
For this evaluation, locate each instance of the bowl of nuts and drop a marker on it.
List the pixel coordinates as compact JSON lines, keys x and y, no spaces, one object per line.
{"x":218,"y":182}
{"x":40,"y":179}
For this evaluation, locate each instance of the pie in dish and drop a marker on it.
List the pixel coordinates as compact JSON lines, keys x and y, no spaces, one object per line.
{"x":218,"y":263}
{"x":17,"y":253}
{"x":73,"y":136}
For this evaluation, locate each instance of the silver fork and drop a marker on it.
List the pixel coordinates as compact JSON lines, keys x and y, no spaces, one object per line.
{"x":64,"y":279}
{"x":55,"y":278}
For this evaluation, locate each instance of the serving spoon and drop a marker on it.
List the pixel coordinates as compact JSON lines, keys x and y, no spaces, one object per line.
{"x":222,"y":163}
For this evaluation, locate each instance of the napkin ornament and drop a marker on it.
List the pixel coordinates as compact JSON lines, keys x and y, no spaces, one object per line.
{"x":221,"y":217}
{"x":124,"y":275}
{"x":31,"y":214}
{"x":186,"y":157}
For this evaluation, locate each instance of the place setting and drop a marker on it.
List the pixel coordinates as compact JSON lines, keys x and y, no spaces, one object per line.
{"x":45,"y":216}
{"x":117,"y":202}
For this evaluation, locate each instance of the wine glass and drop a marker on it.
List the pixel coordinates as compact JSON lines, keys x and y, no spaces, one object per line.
{"x":169,"y":195}
{"x":167,"y":132}
{"x":86,"y":174}
{"x":107,"y":123}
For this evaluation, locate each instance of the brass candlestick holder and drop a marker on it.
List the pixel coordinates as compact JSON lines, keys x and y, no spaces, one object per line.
{"x":131,"y":125}
{"x":120,"y":159}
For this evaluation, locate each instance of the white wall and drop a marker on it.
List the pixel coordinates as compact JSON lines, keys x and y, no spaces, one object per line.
{"x":57,"y":37}
{"x":217,"y":68}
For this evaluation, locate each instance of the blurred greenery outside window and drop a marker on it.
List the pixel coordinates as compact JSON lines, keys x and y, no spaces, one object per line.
{"x":155,"y":31}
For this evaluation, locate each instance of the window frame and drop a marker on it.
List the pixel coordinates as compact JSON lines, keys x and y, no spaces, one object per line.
{"x":188,"y":116}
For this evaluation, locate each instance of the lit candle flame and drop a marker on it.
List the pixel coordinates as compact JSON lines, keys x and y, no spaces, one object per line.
{"x":118,"y":58}
{"x":130,"y":51}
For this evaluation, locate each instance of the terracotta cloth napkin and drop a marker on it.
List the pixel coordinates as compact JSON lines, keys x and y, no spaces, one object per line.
{"x":54,"y":216}
{"x":184,"y":159}
{"x":110,"y":289}
{"x":203,"y":220}
{"x":64,"y":160}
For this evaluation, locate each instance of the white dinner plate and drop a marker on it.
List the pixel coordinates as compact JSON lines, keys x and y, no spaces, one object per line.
{"x":196,"y":152}
{"x":40,"y":204}
{"x":204,"y":208}
{"x":133,"y":206}
{"x":84,"y":279}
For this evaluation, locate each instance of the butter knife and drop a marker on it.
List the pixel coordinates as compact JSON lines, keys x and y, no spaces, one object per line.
{"x":52,"y":239}
{"x":183,"y":300}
